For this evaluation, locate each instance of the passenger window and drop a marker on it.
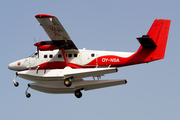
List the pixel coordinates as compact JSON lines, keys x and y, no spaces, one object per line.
{"x":50,"y":56}
{"x":45,"y":56}
{"x":59,"y":56}
{"x":70,"y":55}
{"x":92,"y":55}
{"x":75,"y":55}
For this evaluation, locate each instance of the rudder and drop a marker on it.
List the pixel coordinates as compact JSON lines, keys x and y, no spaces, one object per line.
{"x":159,"y":33}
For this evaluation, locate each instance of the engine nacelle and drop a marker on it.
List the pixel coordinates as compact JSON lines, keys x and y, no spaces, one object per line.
{"x":46,"y":46}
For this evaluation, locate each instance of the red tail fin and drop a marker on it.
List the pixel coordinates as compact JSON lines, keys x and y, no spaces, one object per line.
{"x":159,"y":34}
{"x":153,"y":44}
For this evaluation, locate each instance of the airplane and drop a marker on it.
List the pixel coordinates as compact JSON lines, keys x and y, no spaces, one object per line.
{"x":59,"y":67}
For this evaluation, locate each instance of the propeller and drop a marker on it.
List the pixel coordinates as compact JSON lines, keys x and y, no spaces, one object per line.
{"x":36,"y":44}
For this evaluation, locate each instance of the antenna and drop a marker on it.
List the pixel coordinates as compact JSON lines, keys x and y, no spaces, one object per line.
{"x":35,"y":40}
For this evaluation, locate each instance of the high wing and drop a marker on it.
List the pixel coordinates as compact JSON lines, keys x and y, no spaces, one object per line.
{"x":55,"y":31}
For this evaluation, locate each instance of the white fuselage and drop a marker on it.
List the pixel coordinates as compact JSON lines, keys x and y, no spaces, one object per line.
{"x":77,"y":59}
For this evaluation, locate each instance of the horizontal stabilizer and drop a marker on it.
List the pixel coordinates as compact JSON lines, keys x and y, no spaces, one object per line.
{"x":60,"y":88}
{"x":147,"y":42}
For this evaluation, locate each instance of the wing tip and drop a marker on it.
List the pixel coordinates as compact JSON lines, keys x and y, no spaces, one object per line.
{"x":43,"y":16}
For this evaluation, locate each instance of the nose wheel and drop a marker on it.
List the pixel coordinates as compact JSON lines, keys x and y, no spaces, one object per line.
{"x":16,"y":84}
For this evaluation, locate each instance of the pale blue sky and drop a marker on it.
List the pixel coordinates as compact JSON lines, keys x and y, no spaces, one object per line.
{"x":152,"y":91}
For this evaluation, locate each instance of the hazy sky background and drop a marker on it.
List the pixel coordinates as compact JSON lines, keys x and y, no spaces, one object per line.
{"x":152,"y":91}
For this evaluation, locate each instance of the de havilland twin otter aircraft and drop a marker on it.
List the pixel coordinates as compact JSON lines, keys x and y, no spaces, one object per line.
{"x":58,"y":66}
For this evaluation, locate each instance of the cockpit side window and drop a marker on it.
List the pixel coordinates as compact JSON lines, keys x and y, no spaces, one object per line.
{"x":34,"y":55}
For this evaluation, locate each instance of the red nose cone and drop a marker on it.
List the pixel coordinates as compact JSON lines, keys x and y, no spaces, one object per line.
{"x":36,"y":44}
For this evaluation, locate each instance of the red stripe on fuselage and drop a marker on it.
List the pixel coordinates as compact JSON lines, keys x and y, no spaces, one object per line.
{"x":108,"y":60}
{"x":57,"y":65}
{"x":141,"y":56}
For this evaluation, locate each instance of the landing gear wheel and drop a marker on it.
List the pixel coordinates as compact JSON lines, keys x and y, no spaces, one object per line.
{"x":16,"y":84}
{"x":67,"y":82}
{"x":78,"y":93}
{"x":28,"y":95}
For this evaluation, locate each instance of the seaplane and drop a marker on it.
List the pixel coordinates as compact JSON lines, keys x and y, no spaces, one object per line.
{"x":59,"y":67}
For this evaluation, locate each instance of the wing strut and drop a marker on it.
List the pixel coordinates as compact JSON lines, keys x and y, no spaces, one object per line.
{"x":67,"y":81}
{"x":65,"y":57}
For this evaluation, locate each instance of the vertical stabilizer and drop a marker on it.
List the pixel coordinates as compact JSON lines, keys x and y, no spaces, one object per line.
{"x":153,"y":44}
{"x":159,"y":33}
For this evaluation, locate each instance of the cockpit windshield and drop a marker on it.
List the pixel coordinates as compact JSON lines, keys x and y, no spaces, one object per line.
{"x":34,"y":55}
